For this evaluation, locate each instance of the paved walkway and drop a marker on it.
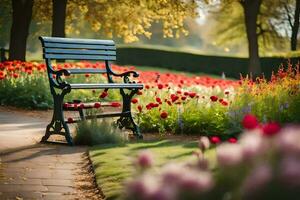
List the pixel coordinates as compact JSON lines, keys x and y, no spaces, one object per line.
{"x":29,"y":170}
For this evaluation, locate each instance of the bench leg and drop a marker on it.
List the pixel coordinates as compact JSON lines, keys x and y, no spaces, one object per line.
{"x":58,"y":123}
{"x":48,"y":132}
{"x":126,"y":120}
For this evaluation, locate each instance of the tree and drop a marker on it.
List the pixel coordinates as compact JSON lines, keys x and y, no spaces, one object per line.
{"x":130,"y":19}
{"x":251,"y":10}
{"x":5,"y":21}
{"x":242,"y":24}
{"x":261,"y":22}
{"x":21,"y":18}
{"x":59,"y":18}
{"x":292,"y":19}
{"x":125,"y":19}
{"x":295,"y":27}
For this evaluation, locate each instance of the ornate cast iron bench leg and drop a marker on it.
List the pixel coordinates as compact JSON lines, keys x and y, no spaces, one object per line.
{"x":126,"y":120}
{"x":58,"y":123}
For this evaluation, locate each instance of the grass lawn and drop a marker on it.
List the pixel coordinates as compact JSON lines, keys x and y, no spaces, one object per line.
{"x":113,"y":163}
{"x":165,"y":70}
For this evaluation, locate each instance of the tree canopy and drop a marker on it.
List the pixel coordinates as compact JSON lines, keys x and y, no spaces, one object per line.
{"x":124,"y":19}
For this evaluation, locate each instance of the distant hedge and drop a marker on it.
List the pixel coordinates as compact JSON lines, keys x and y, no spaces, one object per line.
{"x":193,"y":62}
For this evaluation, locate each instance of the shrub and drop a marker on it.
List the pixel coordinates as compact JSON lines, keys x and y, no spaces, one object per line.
{"x":95,"y":132}
{"x":275,"y":100}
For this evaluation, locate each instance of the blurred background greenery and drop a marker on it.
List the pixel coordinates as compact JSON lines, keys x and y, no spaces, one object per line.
{"x":197,"y":28}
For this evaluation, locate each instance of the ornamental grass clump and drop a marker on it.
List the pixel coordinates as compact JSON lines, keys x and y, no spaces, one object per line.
{"x":259,"y":166}
{"x":96,"y":132}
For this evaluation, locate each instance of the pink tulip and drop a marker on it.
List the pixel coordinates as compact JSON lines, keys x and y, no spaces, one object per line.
{"x":203,"y":143}
{"x":145,"y":159}
{"x":288,"y":140}
{"x":229,"y":154}
{"x":253,"y":144}
{"x":257,"y":179}
{"x":199,"y":181}
{"x":289,"y":171}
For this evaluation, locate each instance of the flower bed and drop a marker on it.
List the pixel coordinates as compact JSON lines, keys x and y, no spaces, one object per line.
{"x":264,"y":164}
{"x":170,"y":102}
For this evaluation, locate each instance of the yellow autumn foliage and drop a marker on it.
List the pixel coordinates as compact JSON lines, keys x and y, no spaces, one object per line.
{"x":125,"y":19}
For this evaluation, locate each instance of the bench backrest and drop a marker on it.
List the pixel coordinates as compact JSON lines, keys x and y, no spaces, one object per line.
{"x":55,"y":48}
{"x":78,"y":49}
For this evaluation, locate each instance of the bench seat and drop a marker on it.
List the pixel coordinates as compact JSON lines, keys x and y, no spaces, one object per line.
{"x":106,"y":85}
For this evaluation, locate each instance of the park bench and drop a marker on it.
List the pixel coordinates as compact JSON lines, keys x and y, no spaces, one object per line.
{"x":55,"y":48}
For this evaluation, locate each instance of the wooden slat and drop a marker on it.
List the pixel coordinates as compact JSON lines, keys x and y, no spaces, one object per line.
{"x":78,"y":46}
{"x":77,"y":41}
{"x":79,"y":51}
{"x":86,"y":71}
{"x":106,"y":85}
{"x":78,"y":57}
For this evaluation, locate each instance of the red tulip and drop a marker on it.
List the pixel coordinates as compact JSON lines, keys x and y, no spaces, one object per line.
{"x":271,"y":128}
{"x":164,"y":115}
{"x":96,"y":105}
{"x":160,"y":86}
{"x":169,"y":102}
{"x":174,"y":97}
{"x":215,"y":139}
{"x":15,"y":75}
{"x":214,"y":98}
{"x":139,"y":108}
{"x":232,"y":140}
{"x":70,"y":120}
{"x":134,"y":100}
{"x":192,"y":94}
{"x":115,"y":104}
{"x":250,"y":122}
{"x":139,"y":92}
{"x":224,"y":103}
{"x":103,"y":94}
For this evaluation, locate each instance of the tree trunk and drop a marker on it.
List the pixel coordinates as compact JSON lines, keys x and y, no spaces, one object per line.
{"x":251,"y":10}
{"x":21,"y":18}
{"x":59,"y":18}
{"x":295,"y":27}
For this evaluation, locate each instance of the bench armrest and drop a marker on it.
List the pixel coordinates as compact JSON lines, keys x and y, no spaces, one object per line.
{"x":125,"y":75}
{"x":134,"y":73}
{"x":59,"y":82}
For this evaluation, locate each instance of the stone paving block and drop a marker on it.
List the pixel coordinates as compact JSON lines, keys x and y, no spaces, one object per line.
{"x":68,"y":166}
{"x":24,"y":181}
{"x":61,"y":189}
{"x":57,"y":182}
{"x":57,"y":196}
{"x":23,"y":188}
{"x":39,"y":173}
{"x":20,"y":195}
{"x":62,"y":174}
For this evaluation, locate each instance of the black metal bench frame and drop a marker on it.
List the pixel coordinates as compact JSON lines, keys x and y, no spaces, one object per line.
{"x":55,"y":48}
